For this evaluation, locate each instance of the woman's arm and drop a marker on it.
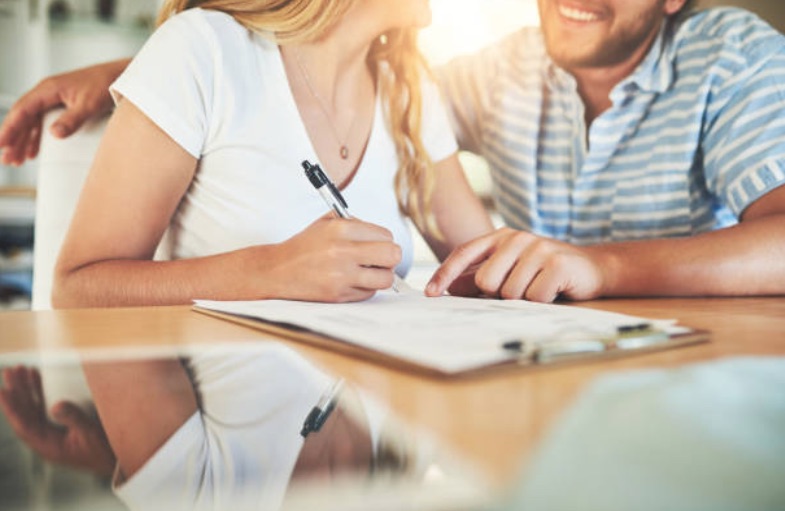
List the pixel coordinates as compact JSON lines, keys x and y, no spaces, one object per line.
{"x":458,"y":211}
{"x":141,"y":404}
{"x":138,"y":178}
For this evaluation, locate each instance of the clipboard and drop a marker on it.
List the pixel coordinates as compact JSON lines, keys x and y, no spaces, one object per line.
{"x":487,"y":347}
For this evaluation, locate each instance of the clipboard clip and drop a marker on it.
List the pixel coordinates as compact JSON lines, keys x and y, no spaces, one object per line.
{"x":321,"y":412}
{"x":627,"y":337}
{"x":634,"y":337}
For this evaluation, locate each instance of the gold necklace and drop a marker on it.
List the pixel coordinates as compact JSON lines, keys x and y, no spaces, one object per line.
{"x":343,"y":148}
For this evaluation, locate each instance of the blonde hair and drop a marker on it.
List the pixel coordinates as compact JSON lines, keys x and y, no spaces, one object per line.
{"x":394,"y":58}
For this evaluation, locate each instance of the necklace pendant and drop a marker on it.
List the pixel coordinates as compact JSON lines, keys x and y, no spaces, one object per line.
{"x":344,"y":152}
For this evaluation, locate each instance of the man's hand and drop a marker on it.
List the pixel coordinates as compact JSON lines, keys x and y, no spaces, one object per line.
{"x":85,"y":95}
{"x":513,"y":264}
{"x":78,"y":440}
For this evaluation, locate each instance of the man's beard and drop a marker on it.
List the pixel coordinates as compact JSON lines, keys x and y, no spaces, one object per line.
{"x":615,"y":49}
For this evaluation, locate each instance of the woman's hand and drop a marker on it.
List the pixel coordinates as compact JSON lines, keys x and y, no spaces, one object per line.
{"x":513,"y":264}
{"x":332,"y":260}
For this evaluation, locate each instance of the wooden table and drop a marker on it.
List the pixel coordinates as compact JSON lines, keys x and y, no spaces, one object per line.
{"x":493,"y":421}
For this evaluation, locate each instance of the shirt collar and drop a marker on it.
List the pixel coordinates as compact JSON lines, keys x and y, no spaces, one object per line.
{"x":654,"y":74}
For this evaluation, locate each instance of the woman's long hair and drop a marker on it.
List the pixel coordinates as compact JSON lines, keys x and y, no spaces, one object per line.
{"x":394,"y":58}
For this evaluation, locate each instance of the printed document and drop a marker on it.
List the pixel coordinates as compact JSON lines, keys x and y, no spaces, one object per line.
{"x":449,"y":334}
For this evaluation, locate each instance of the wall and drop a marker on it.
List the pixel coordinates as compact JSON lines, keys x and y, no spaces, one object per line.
{"x":126,"y":10}
{"x":772,"y":11}
{"x":22,"y":46}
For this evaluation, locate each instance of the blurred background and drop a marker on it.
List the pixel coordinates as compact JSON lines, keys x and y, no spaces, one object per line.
{"x":41,"y":37}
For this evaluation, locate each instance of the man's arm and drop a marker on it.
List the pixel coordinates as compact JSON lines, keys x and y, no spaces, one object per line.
{"x":85,"y":95}
{"x":744,"y":260}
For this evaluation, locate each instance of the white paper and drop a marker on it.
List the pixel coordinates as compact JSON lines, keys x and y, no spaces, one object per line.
{"x":450,"y":334}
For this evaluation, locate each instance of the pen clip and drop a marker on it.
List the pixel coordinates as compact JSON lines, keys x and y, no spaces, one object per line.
{"x":322,"y":410}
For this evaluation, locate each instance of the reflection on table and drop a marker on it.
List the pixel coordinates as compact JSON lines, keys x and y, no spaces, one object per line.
{"x":245,"y":446}
{"x":533,"y":438}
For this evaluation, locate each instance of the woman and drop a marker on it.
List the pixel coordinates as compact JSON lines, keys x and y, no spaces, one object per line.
{"x":214,"y":117}
{"x":212,"y":124}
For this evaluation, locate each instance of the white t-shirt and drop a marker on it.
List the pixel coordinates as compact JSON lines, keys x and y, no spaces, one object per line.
{"x":221,"y":92}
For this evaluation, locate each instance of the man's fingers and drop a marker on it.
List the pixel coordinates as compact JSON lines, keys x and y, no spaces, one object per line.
{"x":14,"y":380}
{"x":519,"y":279}
{"x":28,"y":110}
{"x":509,"y":261}
{"x":15,"y":123}
{"x":13,"y":154}
{"x":9,"y":407}
{"x":34,"y":143}
{"x":71,"y":416}
{"x":457,"y":263}
{"x":6,"y":402}
{"x":15,"y":135}
{"x":36,"y":387}
{"x":70,"y":121}
{"x":545,"y":287}
{"x":20,"y":131}
{"x":465,"y":284}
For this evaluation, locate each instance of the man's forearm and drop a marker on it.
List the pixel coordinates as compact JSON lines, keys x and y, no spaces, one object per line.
{"x":746,"y":259}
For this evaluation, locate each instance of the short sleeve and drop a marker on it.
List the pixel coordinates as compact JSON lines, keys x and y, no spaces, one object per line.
{"x":172,"y":79}
{"x":744,"y":143}
{"x":168,"y":474}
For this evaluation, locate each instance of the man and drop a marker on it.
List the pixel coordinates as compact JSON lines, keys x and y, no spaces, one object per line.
{"x":635,"y":149}
{"x":627,"y":120}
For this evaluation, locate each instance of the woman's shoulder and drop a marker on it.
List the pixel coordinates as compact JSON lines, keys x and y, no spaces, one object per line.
{"x":208,"y":23}
{"x":197,"y":17}
{"x":209,"y":36}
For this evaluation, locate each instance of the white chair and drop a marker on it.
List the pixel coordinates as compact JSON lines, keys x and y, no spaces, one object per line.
{"x":62,"y":167}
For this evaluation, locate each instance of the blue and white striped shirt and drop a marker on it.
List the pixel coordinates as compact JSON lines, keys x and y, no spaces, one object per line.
{"x":694,"y":136}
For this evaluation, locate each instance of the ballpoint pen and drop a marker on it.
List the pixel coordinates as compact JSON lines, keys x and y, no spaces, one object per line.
{"x":335,"y":201}
{"x":320,"y":413}
{"x":329,"y":192}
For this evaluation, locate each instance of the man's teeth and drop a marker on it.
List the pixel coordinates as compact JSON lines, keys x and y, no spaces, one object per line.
{"x":577,"y":15}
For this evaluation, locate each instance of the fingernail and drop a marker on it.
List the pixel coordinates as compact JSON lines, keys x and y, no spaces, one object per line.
{"x":61,"y":411}
{"x":58,"y":130}
{"x":430,"y":288}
